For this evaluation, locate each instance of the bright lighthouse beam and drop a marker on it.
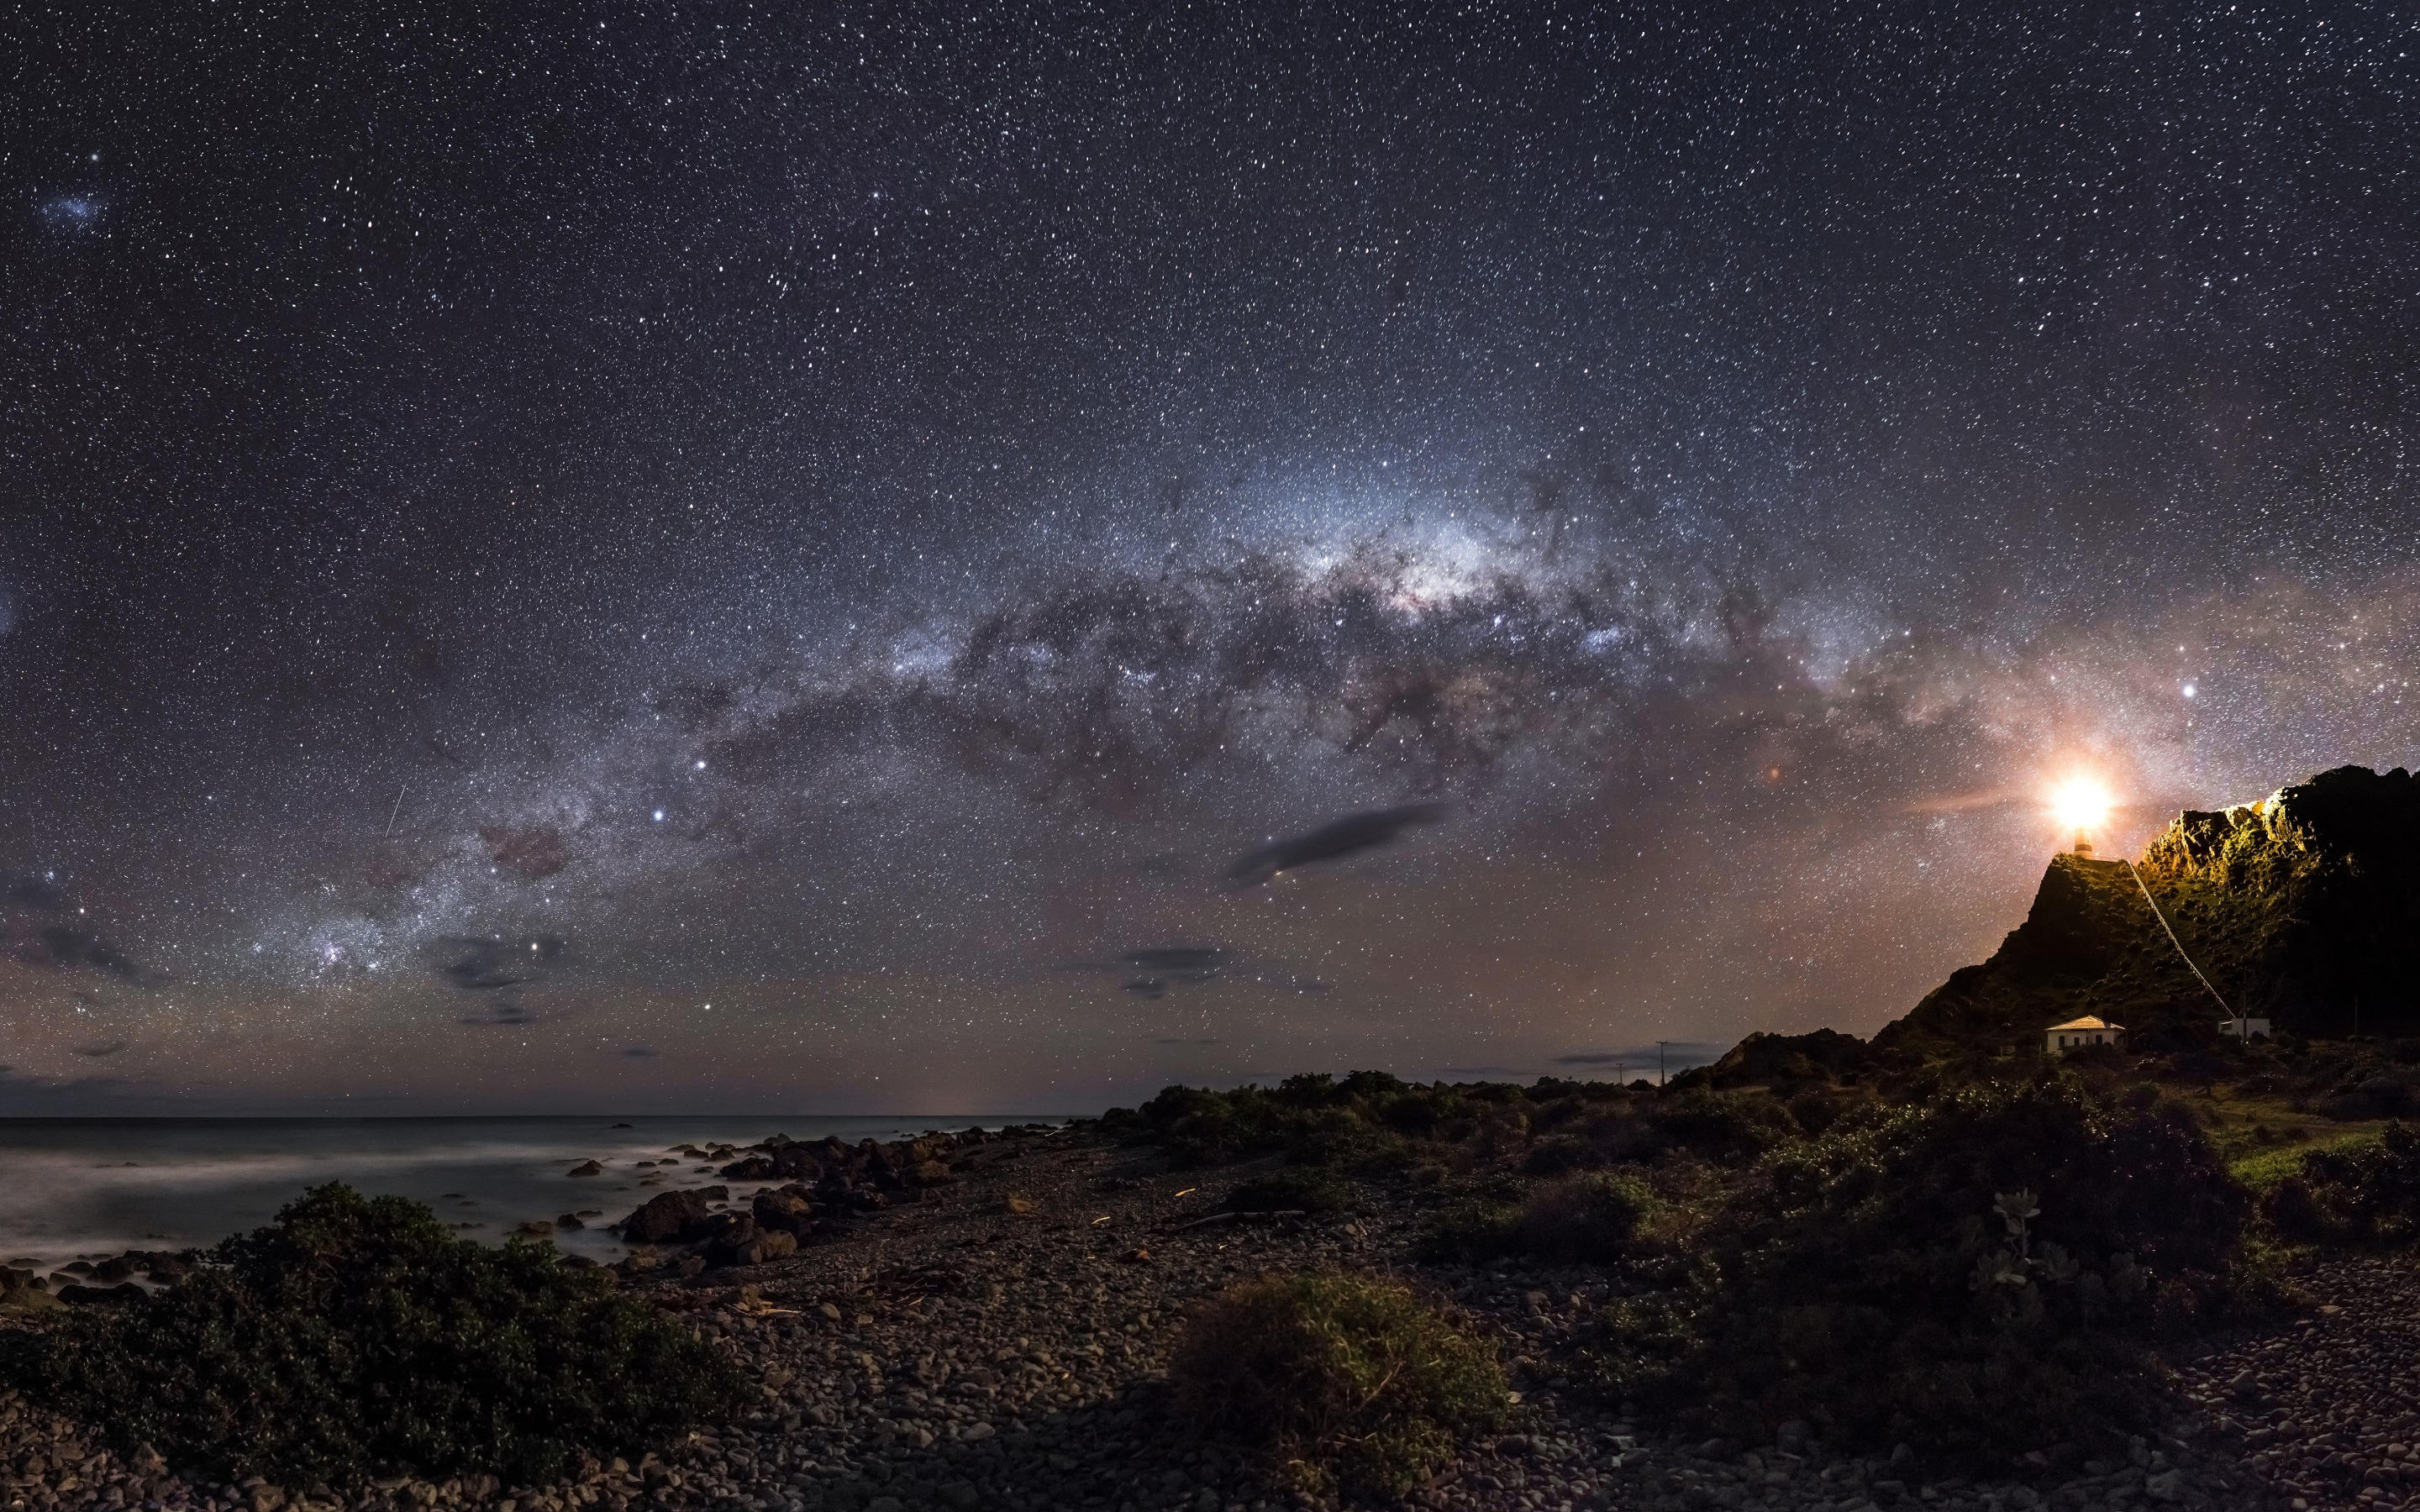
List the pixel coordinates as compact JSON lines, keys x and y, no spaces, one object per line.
{"x":2080,"y":802}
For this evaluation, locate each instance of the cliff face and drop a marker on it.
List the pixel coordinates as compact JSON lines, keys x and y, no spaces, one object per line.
{"x":2303,"y":908}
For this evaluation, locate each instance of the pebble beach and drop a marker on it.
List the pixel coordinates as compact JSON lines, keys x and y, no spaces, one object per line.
{"x":998,"y":1339}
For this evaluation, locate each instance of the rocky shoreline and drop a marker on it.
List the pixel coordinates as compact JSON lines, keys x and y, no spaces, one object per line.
{"x":988,"y":1329}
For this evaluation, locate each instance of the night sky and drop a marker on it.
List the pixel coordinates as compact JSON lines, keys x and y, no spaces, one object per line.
{"x":737,"y":559}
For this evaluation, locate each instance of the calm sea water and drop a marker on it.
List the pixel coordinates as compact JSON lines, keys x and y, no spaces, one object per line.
{"x":84,"y":1188}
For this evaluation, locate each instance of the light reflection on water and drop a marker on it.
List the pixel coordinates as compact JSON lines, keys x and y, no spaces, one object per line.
{"x":75,"y":1188}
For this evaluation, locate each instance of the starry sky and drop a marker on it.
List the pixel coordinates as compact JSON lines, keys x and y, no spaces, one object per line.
{"x":734,"y":558}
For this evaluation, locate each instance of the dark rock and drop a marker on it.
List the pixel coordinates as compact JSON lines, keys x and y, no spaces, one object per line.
{"x":114,"y":1270}
{"x":86,"y":1296}
{"x":771,"y":1244}
{"x":569,"y":1220}
{"x":754,"y":1168}
{"x":797,"y":1163}
{"x":928,"y":1173}
{"x":587,"y":1167}
{"x":666,"y":1216}
{"x":785,"y":1212}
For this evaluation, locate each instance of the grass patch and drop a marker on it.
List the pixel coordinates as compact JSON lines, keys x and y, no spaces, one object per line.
{"x":357,"y":1337}
{"x":1343,"y":1381}
{"x":2369,"y":1194}
{"x":2260,"y":1168}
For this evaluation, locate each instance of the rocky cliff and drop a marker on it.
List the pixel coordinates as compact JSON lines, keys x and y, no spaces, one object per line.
{"x":2303,"y":908}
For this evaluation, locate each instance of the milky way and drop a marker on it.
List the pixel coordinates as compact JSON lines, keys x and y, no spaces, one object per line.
{"x":704,"y":560}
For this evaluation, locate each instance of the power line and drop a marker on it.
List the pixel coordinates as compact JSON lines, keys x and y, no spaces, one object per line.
{"x":2172,"y":937}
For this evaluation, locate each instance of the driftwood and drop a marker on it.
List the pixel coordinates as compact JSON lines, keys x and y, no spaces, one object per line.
{"x":1231,"y":1217}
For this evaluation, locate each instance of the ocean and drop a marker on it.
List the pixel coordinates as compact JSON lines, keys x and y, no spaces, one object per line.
{"x":87,"y":1188}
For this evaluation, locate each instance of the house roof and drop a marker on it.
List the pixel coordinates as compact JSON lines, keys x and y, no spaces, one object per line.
{"x":2088,"y":1022}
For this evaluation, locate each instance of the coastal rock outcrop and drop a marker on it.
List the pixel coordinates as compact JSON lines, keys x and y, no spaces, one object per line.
{"x":2302,"y":908}
{"x":666,"y":1216}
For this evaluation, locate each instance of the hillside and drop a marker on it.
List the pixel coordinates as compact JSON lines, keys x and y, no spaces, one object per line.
{"x":2303,"y":908}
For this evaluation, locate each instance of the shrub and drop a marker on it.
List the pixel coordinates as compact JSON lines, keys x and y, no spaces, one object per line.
{"x":1291,"y":1190}
{"x":1726,"y":1128}
{"x":357,"y":1337}
{"x":1587,"y":1219}
{"x":1345,"y":1381}
{"x":2367,"y":1192}
{"x":1977,"y":1277}
{"x":1557,"y":1154}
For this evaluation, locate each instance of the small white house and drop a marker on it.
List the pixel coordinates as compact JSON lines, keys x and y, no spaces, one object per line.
{"x":2244,"y":1028}
{"x":2076,"y":1033}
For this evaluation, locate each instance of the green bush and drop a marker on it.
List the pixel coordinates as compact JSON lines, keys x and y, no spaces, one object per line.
{"x":1343,"y":1381}
{"x":1555,"y":1154}
{"x":1726,"y":1128}
{"x":357,"y":1337}
{"x":2368,"y":1194}
{"x":1587,"y":1219}
{"x":1360,"y":1121}
{"x":1581,"y":1220}
{"x":1977,"y":1277}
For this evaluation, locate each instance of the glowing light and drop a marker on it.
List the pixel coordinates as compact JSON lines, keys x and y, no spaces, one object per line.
{"x":2080,"y":802}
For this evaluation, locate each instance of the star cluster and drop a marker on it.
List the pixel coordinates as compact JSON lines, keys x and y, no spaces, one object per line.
{"x":727,"y":556}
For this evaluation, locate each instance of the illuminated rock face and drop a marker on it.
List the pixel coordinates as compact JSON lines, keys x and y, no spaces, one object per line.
{"x":2303,"y":908}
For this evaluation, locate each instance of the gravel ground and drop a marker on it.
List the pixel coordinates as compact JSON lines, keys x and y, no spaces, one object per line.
{"x":951,"y":1354}
{"x":2329,"y":1413}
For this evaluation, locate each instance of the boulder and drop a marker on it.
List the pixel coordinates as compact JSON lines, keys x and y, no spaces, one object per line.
{"x":84,"y":1296}
{"x":569,"y":1220}
{"x":771,"y":1245}
{"x":928,"y":1173}
{"x":666,"y":1216}
{"x":796,"y":1162}
{"x":587,"y":1167}
{"x":787,"y":1212}
{"x":2378,"y":1097}
{"x":754,"y":1168}
{"x":111,"y":1272}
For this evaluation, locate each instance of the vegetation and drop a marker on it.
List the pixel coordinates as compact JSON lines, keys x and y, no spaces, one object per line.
{"x":1371,"y":1122}
{"x":1345,"y":1381}
{"x":1589,"y":1219}
{"x":2367,"y":1192}
{"x":1977,"y":1276}
{"x":1972,"y":1256}
{"x":357,"y":1337}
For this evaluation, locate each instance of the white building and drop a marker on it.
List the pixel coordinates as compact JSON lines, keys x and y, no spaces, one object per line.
{"x":2244,"y":1028}
{"x":2076,"y":1033}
